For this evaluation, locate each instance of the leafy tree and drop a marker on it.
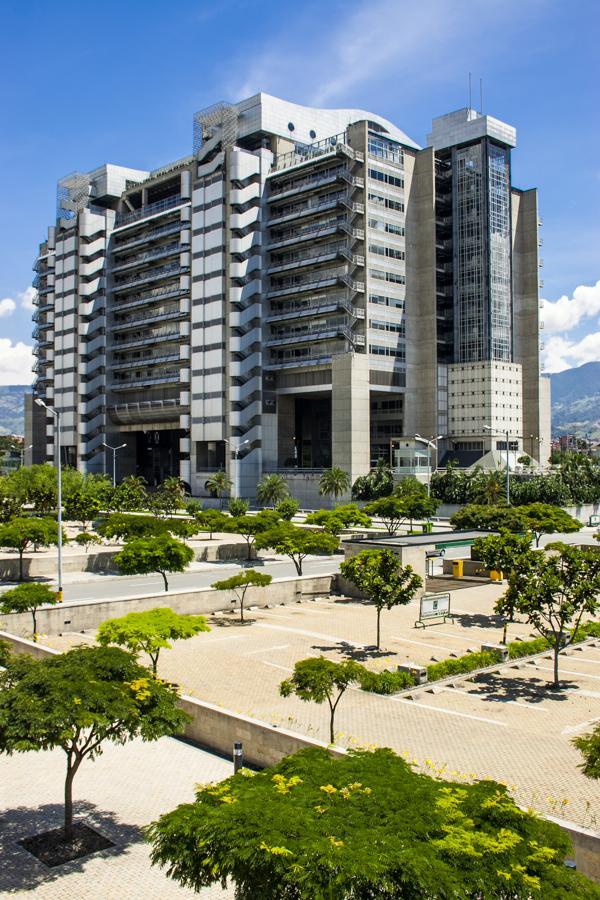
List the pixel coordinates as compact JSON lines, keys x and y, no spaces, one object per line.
{"x":86,"y":539}
{"x":81,"y":507}
{"x":150,"y":631}
{"x":248,"y":527}
{"x":238,"y":507}
{"x":379,"y":482}
{"x":28,"y":598}
{"x":502,"y":552}
{"x":239,"y":584}
{"x":212,"y":520}
{"x":419,"y":506}
{"x":391,"y":511}
{"x":363,"y":826}
{"x":318,"y":679}
{"x":488,"y":488}
{"x":167,"y":498}
{"x":487,"y":518}
{"x":19,"y":534}
{"x":272,"y":489}
{"x":10,"y":505}
{"x":334,"y":482}
{"x":452,"y":486}
{"x":80,"y":700}
{"x":553,"y":592}
{"x":338,"y":519}
{"x":193,"y":506}
{"x":379,"y":575}
{"x":161,"y":554}
{"x":218,"y":484}
{"x":130,"y":494}
{"x":295,"y":542}
{"x":542,"y":518}
{"x":125,"y":527}
{"x":287,"y":508}
{"x":589,"y":745}
{"x":524,"y":460}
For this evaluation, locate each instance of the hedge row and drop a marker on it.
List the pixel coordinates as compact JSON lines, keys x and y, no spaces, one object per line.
{"x":385,"y":682}
{"x":462,"y":664}
{"x":517,"y":649}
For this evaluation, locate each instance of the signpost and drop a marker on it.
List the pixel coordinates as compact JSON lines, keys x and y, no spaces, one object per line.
{"x":434,"y":606}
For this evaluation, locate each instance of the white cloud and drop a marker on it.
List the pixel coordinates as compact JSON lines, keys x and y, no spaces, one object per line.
{"x":566,"y":313}
{"x":26,"y":297}
{"x":15,"y":362}
{"x":7,"y":306}
{"x":560,"y":353}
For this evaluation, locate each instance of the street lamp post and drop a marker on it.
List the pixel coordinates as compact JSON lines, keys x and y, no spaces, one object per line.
{"x":114,"y":453}
{"x":236,"y":452}
{"x":58,"y":463}
{"x":23,"y":452}
{"x":507,"y":433}
{"x":431,"y":443}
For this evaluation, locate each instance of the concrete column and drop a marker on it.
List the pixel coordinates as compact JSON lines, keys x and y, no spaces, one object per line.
{"x":350,"y":442}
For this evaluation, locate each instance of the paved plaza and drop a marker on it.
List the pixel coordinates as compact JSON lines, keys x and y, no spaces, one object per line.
{"x":508,"y":726}
{"x":123,"y":790}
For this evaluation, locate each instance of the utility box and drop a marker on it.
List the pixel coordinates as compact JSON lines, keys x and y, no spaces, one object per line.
{"x":419,"y":673}
{"x":502,"y":649}
{"x":457,"y":568}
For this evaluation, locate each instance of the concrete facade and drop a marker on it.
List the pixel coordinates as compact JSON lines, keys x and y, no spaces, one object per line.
{"x":291,"y":296}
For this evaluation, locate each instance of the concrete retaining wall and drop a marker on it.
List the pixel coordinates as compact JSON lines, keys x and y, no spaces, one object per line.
{"x":265,"y":745}
{"x":84,"y":616}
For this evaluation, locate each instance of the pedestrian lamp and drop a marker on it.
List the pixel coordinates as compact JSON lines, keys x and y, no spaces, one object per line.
{"x":236,"y":451}
{"x":114,"y":453}
{"x":430,"y":443}
{"x":57,"y":461}
{"x":23,"y":452}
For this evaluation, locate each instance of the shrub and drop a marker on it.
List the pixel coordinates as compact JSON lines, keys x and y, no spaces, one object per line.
{"x":385,"y":682}
{"x":517,"y":649}
{"x":462,"y":664}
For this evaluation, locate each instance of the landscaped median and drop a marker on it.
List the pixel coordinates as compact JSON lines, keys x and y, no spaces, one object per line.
{"x":388,"y":682}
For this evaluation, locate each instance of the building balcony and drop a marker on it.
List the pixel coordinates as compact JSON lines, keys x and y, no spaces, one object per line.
{"x":156,"y":253}
{"x":157,"y":338}
{"x":152,"y":209}
{"x":325,"y":332}
{"x":313,"y":358}
{"x":319,"y":254}
{"x":309,"y":281}
{"x":292,"y":211}
{"x":151,"y":275}
{"x":298,"y":309}
{"x":140,"y":412}
{"x":143,"y":362}
{"x":165,"y":292}
{"x":148,"y":236}
{"x":313,"y":181}
{"x":168,"y":376}
{"x":148,"y":319}
{"x":306,"y":153}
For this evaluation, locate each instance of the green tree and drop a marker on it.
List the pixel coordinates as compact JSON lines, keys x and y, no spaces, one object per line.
{"x":502,"y":552}
{"x":379,"y":482}
{"x":340,"y":518}
{"x":589,"y":745}
{"x":212,"y":520}
{"x":287,"y":508}
{"x":543,"y":518}
{"x":419,"y":506}
{"x":487,"y":518}
{"x":81,"y":507}
{"x":271,"y":489}
{"x":391,"y":511}
{"x":238,"y":507}
{"x":334,"y":482}
{"x":295,"y":542}
{"x":239,"y":584}
{"x":28,"y":598}
{"x":318,"y":680}
{"x":248,"y":527}
{"x":363,"y":826}
{"x":125,"y":527}
{"x":161,"y":554}
{"x":86,"y":539}
{"x":20,"y":534}
{"x":150,"y":631}
{"x":168,"y":497}
{"x":80,"y":700}
{"x":379,"y":575}
{"x":218,"y":484}
{"x":130,"y":495}
{"x":10,"y":505}
{"x":488,"y":488}
{"x":554,"y":592}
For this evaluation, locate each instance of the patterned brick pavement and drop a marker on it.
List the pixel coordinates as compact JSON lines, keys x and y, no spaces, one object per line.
{"x":124,"y":789}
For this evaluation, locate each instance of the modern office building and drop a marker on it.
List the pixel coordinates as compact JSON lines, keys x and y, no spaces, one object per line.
{"x":303,"y":290}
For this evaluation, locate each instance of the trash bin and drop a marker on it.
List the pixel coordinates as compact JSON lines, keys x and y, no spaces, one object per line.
{"x":427,"y":527}
{"x":495,"y":575}
{"x":457,"y":568}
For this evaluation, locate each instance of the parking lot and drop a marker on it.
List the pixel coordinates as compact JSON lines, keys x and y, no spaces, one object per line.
{"x":509,"y":725}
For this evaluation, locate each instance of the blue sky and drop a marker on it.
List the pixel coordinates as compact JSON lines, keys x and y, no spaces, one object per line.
{"x":84,"y":84}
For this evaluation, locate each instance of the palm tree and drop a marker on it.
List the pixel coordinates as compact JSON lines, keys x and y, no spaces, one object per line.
{"x":334,"y":482}
{"x":218,"y":484}
{"x":271,"y":489}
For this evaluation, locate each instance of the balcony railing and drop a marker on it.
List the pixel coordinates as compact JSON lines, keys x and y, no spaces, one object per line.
{"x":157,"y":253}
{"x":302,"y":153}
{"x":167,"y":377}
{"x":147,"y":319}
{"x":297,"y":309}
{"x":315,"y":206}
{"x":150,"y":210}
{"x":170,"y":228}
{"x":311,"y":280}
{"x":163,"y":293}
{"x":158,"y":337}
{"x":144,"y":361}
{"x":152,"y":275}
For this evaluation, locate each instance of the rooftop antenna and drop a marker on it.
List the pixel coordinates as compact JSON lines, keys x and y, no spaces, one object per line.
{"x":470,"y":97}
{"x":481,"y":96}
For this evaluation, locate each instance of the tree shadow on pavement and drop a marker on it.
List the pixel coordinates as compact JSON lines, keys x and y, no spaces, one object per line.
{"x":22,"y":871}
{"x":481,"y":620}
{"x":351,"y":651}
{"x":532,"y":690}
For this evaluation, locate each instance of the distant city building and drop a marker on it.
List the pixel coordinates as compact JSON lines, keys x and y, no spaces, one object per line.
{"x":305,"y":288}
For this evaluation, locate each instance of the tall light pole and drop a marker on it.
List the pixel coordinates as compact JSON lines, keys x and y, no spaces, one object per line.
{"x":236,"y":450}
{"x":430,"y":443}
{"x":507,"y":433}
{"x":23,"y":452}
{"x":114,"y":453}
{"x":58,"y":464}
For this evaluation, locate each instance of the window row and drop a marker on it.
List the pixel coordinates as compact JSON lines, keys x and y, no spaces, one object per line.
{"x":386,"y":178}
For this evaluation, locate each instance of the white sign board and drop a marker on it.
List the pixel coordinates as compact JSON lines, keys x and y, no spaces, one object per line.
{"x":434,"y":605}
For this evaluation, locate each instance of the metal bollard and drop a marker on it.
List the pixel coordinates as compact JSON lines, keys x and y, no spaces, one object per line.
{"x":238,"y":756}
